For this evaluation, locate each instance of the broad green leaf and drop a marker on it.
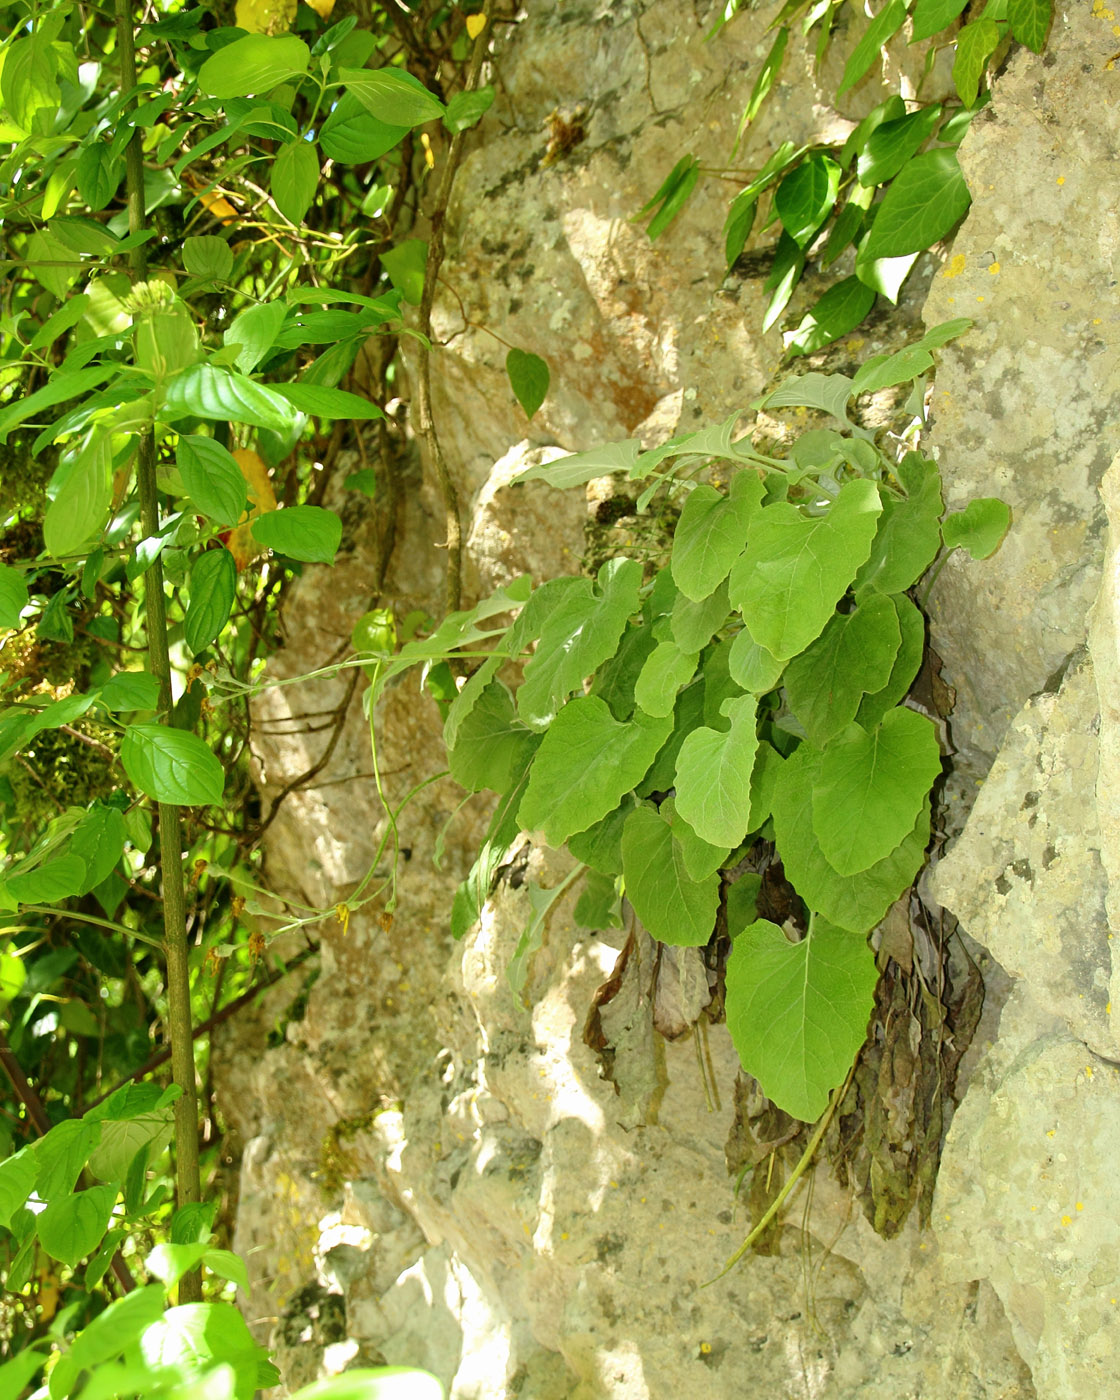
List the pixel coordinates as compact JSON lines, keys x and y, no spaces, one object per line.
{"x":308,"y":533}
{"x":51,"y":263}
{"x":771,"y":66}
{"x":852,"y":657}
{"x":467,"y":108}
{"x":16,"y":1375}
{"x":123,"y":1137}
{"x":528,"y":378}
{"x":719,"y":686}
{"x":17,"y":1181}
{"x":836,"y":313}
{"x":892,"y":144}
{"x":61,"y":1154}
{"x":909,"y":533}
{"x":931,"y":16}
{"x":28,"y":80}
{"x":117,"y":1327}
{"x":979,"y":528}
{"x":884,"y":371}
{"x":737,"y":228}
{"x":976,"y":43}
{"x":392,"y":96}
{"x":384,"y":1383}
{"x":586,"y":764}
{"x":99,"y":843}
{"x":72,"y":1226}
{"x":922,"y":205}
{"x":212,"y":477}
{"x":50,"y":882}
{"x":130,"y":690}
{"x":583,"y":466}
{"x":789,"y":263}
{"x":672,"y":196}
{"x":206,"y":391}
{"x":797,"y":568}
{"x":577,"y":638}
{"x":798,"y":1012}
{"x":853,"y":902}
{"x":714,"y":775}
{"x":213,"y":586}
{"x":694,"y":624}
{"x":294,"y":180}
{"x":848,"y":226}
{"x":883,"y":27}
{"x":828,"y":392}
{"x":616,"y":679}
{"x":751,"y":666}
{"x":209,"y":257}
{"x":884,"y":275}
{"x":472,"y":893}
{"x":13,"y":596}
{"x":598,"y":906}
{"x":98,"y":174}
{"x":711,"y":534}
{"x":405,"y":265}
{"x":80,"y":511}
{"x":675,"y":908}
{"x":169,"y":1262}
{"x":666,"y":669}
{"x":172,"y":765}
{"x":255,"y":330}
{"x":491,"y":745}
{"x":194,"y":1336}
{"x":600,"y":846}
{"x":1030,"y":22}
{"x":322,"y":402}
{"x":871,"y":788}
{"x":353,"y":136}
{"x":225,"y":1264}
{"x":257,"y":63}
{"x":945,"y":331}
{"x":805,"y":197}
{"x":61,"y":321}
{"x":890,"y":110}
{"x":701,"y":858}
{"x":907,"y":663}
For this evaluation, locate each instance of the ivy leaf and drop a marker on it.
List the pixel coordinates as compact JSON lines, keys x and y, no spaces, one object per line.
{"x":836,"y":313}
{"x":789,"y":263}
{"x":13,"y":596}
{"x":853,"y":902}
{"x":798,"y":1012}
{"x":852,"y":656}
{"x":212,"y":477}
{"x":257,"y":63}
{"x":213,"y":588}
{"x":675,"y":908}
{"x":931,"y":16}
{"x":294,"y":180}
{"x":714,"y":776}
{"x":308,"y":533}
{"x":208,"y":391}
{"x":797,"y":568}
{"x":672,"y":196}
{"x":72,"y":1226}
{"x":883,"y":27}
{"x":491,"y":746}
{"x":912,"y":626}
{"x":976,"y":43}
{"x":979,"y":528}
{"x":79,"y":512}
{"x":528,"y":378}
{"x":392,"y":96}
{"x":711,"y":534}
{"x":871,"y":788}
{"x":771,"y":66}
{"x":892,"y":144}
{"x":884,"y":275}
{"x":922,"y":205}
{"x":172,"y":765}
{"x":585,"y":765}
{"x":666,"y":669}
{"x":805,"y":197}
{"x":1030,"y":22}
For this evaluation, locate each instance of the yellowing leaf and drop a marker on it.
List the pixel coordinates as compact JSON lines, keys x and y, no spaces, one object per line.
{"x":241,"y":543}
{"x":322,"y":8}
{"x":268,"y":16}
{"x":475,"y":25}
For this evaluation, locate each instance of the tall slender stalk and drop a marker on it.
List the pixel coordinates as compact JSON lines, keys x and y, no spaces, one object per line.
{"x":187,"y":1180}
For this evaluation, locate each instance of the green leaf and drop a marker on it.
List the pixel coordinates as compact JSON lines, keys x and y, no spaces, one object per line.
{"x":890,"y":110}
{"x":675,"y":908}
{"x":59,"y":389}
{"x":491,"y":746}
{"x":892,"y":144}
{"x":13,"y":596}
{"x":713,"y":775}
{"x":883,"y":27}
{"x":828,"y":392}
{"x":61,"y":1155}
{"x":392,"y":96}
{"x":580,"y":634}
{"x":922,"y":205}
{"x":353,"y":136}
{"x":1030,"y":22}
{"x":80,"y":511}
{"x":117,"y":1327}
{"x":308,"y":533}
{"x":528,"y":378}
{"x":582,"y":467}
{"x":585,"y":765}
{"x":207,"y":391}
{"x":195,"y":1336}
{"x":909,"y":533}
{"x":50,"y":882}
{"x":798,"y":1012}
{"x":979,"y":528}
{"x":227,"y":1265}
{"x":255,"y":330}
{"x":169,"y":1262}
{"x":294,"y":180}
{"x":208,"y":257}
{"x":385,"y":1383}
{"x":472,"y":893}
{"x":711,"y":534}
{"x":853,"y":902}
{"x":467,"y":108}
{"x":789,"y":263}
{"x":17,"y":1181}
{"x":98,"y":175}
{"x":405,"y":266}
{"x":931,"y":16}
{"x":751,"y":666}
{"x":257,"y":63}
{"x":213,"y":587}
{"x":132,"y":1121}
{"x":907,"y":663}
{"x":884,"y":275}
{"x":322,"y":402}
{"x":72,"y":1226}
{"x":28,"y":80}
{"x":694,"y":624}
{"x":212,"y":477}
{"x":849,"y":224}
{"x":852,"y":656}
{"x":871,"y":789}
{"x":884,"y":371}
{"x":99,"y":843}
{"x":666,"y":669}
{"x":701,"y":858}
{"x":771,"y":66}
{"x":172,"y":765}
{"x":976,"y":43}
{"x":598,"y":906}
{"x":805,"y":197}
{"x":797,"y":568}
{"x":737,"y":228}
{"x":130,"y":690}
{"x":16,"y":1375}
{"x":836,"y":313}
{"x":672,"y":196}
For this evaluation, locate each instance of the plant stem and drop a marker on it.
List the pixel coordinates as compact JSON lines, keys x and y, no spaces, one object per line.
{"x":187,"y":1180}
